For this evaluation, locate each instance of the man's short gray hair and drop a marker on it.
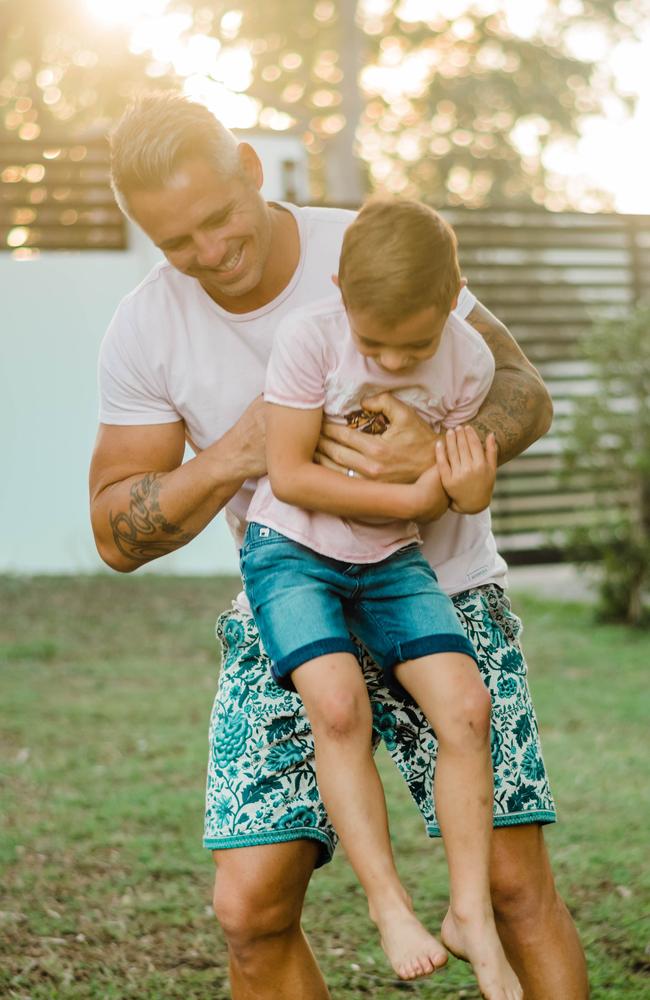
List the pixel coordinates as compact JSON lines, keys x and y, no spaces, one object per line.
{"x":157,"y":133}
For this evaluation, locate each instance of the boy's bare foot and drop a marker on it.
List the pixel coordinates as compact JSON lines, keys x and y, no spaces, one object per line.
{"x":411,"y":950}
{"x":477,"y":942}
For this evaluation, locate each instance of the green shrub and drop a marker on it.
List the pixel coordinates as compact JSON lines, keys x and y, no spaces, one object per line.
{"x":609,"y":443}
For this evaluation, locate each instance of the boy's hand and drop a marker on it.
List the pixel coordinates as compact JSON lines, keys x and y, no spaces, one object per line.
{"x":467,"y":471}
{"x":429,"y":498}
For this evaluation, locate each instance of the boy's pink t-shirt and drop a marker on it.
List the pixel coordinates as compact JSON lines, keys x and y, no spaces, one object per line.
{"x":315,"y":364}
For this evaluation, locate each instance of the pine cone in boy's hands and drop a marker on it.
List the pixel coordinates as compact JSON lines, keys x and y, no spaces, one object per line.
{"x":369,"y":423}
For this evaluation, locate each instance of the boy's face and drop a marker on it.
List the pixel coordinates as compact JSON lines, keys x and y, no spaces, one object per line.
{"x":402,"y":346}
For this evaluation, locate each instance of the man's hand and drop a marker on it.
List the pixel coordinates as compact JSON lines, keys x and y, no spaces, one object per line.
{"x":467,"y":471}
{"x":248,"y":440}
{"x":400,"y":455}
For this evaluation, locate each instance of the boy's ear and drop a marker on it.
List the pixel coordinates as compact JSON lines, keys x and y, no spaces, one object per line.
{"x":335,"y":279}
{"x":463,"y":283}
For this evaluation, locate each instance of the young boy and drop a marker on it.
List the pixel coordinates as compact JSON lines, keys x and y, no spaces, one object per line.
{"x":325,"y":555}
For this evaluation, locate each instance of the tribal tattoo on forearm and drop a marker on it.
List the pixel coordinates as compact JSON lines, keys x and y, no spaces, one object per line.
{"x":137,"y":532}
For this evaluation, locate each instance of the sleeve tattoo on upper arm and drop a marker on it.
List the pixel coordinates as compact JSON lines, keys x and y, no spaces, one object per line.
{"x":133,"y":529}
{"x":515,"y":410}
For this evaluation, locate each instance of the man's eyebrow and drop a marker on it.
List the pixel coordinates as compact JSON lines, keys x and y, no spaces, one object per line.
{"x":218,"y":215}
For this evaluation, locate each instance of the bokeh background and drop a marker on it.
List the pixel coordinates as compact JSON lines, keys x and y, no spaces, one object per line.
{"x":526,"y":122}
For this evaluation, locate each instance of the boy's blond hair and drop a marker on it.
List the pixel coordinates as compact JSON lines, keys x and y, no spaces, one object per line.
{"x":156,"y":134}
{"x":398,"y":258}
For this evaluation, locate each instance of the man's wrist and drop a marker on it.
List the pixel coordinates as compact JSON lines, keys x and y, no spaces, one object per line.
{"x":224,"y":464}
{"x":429,"y":452}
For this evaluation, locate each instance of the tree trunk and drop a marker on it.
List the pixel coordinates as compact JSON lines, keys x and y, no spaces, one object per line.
{"x":343,"y":171}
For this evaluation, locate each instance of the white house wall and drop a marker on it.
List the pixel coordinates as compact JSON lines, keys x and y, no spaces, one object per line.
{"x":53,"y":313}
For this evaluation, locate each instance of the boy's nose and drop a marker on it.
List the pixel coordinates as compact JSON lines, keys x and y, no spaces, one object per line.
{"x":393,"y":361}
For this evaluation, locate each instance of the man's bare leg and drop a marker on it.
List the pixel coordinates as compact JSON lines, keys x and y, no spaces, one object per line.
{"x":258,"y":899}
{"x":537,"y":931}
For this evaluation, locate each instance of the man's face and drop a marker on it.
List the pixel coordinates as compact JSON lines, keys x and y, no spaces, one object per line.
{"x":214,"y":229}
{"x":400,"y":347}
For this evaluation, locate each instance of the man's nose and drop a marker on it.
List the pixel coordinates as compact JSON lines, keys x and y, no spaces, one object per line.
{"x":210,"y":249}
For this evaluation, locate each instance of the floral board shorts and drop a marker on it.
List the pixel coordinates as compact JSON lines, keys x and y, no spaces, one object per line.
{"x":261,"y":783}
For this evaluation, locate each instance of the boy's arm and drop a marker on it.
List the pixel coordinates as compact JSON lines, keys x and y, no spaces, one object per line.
{"x":517,"y":410}
{"x":291,"y":438}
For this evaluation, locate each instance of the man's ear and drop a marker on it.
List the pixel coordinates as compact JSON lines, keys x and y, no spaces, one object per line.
{"x":335,"y":280}
{"x":250,"y":164}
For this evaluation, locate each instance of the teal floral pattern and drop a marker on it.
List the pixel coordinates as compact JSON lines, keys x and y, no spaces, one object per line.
{"x":261,"y":783}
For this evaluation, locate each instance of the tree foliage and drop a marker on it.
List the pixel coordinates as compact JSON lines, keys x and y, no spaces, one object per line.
{"x":454,"y":103}
{"x":609,"y":440}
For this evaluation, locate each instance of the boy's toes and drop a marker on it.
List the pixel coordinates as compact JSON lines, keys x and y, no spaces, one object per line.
{"x":406,"y":971}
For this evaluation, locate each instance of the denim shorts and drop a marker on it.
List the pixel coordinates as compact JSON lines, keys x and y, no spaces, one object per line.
{"x":306,"y":605}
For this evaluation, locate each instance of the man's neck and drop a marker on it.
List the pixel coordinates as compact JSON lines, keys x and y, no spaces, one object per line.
{"x":281,"y":264}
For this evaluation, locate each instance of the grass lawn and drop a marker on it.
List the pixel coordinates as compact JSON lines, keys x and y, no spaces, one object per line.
{"x":106,"y":685}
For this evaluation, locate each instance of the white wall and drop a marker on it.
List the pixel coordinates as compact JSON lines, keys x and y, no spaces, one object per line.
{"x":53,"y":313}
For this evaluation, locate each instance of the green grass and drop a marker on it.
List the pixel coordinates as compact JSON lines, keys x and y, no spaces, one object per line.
{"x":106,"y":685}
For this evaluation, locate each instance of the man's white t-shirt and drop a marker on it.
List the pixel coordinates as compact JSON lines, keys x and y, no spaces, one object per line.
{"x":171,"y":353}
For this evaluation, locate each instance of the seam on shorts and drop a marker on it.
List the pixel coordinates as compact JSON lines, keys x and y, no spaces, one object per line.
{"x":272,"y":837}
{"x":321,"y":647}
{"x":543,"y":816}
{"x":385,"y":663}
{"x":443,"y":642}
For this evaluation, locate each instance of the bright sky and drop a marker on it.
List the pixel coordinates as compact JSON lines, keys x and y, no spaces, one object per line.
{"x":611,"y":152}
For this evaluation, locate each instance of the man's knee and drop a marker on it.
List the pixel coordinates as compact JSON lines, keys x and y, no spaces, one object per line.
{"x":248,"y":918}
{"x":521,"y":880}
{"x":257,"y":895}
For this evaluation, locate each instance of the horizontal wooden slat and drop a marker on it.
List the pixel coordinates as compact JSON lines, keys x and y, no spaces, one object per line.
{"x":548,"y":276}
{"x":57,"y":195}
{"x":551,"y":520}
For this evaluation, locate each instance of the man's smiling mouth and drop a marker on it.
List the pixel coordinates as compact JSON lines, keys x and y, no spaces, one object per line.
{"x":232,"y":262}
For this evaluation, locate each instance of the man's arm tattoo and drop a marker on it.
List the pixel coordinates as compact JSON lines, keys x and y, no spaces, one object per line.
{"x":137,"y":532}
{"x":512,"y":417}
{"x":518,"y":408}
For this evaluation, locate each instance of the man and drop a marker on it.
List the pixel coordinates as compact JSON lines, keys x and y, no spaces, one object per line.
{"x":184,"y":358}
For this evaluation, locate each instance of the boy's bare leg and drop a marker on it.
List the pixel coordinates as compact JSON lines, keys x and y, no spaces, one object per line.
{"x":536,"y":928}
{"x":336,"y":701}
{"x":449,"y":690}
{"x":258,"y":899}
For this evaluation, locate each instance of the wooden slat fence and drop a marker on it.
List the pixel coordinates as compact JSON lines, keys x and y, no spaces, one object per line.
{"x":549,"y":277}
{"x":55,"y":195}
